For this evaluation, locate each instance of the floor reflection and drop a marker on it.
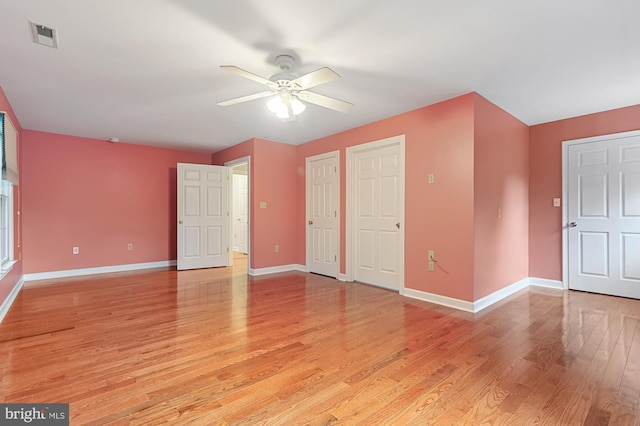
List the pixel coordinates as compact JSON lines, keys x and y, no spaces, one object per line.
{"x":241,"y":347}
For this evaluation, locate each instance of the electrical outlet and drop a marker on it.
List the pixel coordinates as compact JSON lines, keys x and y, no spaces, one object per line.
{"x":76,"y":250}
{"x":432,"y":260}
{"x":129,"y":246}
{"x":432,"y":178}
{"x":277,"y":248}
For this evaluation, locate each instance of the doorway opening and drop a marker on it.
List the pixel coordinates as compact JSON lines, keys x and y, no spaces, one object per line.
{"x":239,"y":215}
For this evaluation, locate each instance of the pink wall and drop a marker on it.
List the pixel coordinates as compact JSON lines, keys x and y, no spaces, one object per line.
{"x":501,"y":244}
{"x":98,"y":196}
{"x":545,"y":162}
{"x":10,"y":280}
{"x":439,"y":140}
{"x":273,"y":180}
{"x":274,"y":183}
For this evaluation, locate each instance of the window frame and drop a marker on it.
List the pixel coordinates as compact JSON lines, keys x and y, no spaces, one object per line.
{"x":6,"y":209}
{"x":6,"y":223}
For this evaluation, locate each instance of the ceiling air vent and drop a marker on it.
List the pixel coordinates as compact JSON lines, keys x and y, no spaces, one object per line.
{"x":44,"y":35}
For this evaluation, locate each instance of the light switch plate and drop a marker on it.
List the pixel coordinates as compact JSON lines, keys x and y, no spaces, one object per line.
{"x":556,"y":202}
{"x":263,"y":204}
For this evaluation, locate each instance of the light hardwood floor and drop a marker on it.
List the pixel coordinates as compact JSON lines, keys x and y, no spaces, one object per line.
{"x":215,"y":347}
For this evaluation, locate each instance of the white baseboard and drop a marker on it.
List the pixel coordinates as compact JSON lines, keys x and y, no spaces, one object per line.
{"x":286,"y":268}
{"x":99,"y":270}
{"x":4,"y":308}
{"x":464,"y":305}
{"x":543,"y":282}
{"x":450,"y":302}
{"x":276,"y":269}
{"x":497,"y":296}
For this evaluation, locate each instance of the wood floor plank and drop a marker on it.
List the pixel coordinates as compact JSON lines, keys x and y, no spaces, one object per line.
{"x":216,"y":347}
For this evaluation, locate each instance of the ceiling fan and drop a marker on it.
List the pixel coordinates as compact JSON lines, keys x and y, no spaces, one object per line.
{"x":288,"y":90}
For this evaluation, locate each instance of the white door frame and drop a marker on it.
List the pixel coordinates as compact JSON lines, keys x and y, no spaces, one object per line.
{"x":565,"y":193}
{"x":231,"y":164}
{"x":308,"y":160}
{"x":351,"y":190}
{"x":236,"y":182}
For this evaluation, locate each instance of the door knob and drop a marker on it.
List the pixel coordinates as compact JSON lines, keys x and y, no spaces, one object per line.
{"x":310,"y":222}
{"x":180,"y":221}
{"x":398,"y":225}
{"x":573,"y":225}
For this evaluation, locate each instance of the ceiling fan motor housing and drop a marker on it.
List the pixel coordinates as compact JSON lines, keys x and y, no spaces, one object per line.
{"x":284,"y":77}
{"x":284,"y":62}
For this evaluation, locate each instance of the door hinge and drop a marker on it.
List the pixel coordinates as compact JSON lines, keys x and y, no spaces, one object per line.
{"x":227,"y":213}
{"x":227,"y":249}
{"x":335,"y":257}
{"x":335,"y":169}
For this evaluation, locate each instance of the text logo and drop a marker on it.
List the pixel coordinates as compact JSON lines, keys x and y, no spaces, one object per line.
{"x":34,"y":414}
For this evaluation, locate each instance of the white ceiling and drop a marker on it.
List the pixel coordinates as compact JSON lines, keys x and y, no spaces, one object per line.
{"x":147,"y":71}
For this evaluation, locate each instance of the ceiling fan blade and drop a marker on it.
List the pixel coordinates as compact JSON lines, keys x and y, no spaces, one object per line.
{"x":316,"y":78}
{"x":249,"y":75}
{"x":245,"y":98}
{"x":325,"y":101}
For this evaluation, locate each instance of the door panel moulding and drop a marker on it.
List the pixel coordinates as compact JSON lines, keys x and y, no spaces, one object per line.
{"x":351,"y":153}
{"x":335,"y":156}
{"x":566,"y":229}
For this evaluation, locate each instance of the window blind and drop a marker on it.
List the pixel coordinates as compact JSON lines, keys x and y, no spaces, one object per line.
{"x":9,"y":138}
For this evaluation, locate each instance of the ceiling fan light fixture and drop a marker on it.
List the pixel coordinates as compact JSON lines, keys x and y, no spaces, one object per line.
{"x":276,"y":104}
{"x":297,"y":106}
{"x":283,"y":105}
{"x":283,"y":114}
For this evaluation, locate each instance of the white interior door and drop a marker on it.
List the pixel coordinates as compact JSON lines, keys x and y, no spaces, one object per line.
{"x":240,"y":212}
{"x":323,"y":213}
{"x":203,"y":237}
{"x":603,"y":215}
{"x":377,"y":209}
